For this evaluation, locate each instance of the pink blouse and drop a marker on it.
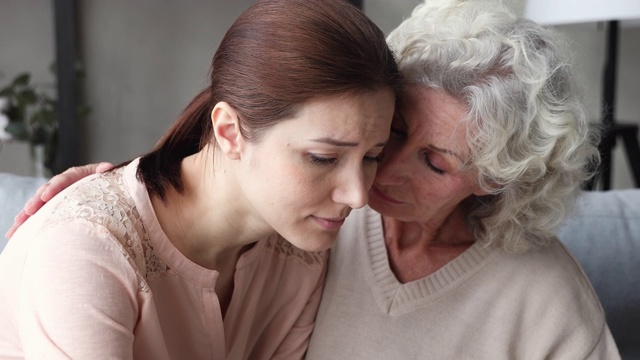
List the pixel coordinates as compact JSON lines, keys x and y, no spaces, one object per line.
{"x":93,"y":276}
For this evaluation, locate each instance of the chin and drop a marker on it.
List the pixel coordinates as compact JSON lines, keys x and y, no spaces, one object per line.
{"x":315,"y":243}
{"x":315,"y":247}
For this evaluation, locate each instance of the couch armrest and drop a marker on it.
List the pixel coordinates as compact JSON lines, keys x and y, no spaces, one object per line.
{"x":15,"y":190}
{"x":604,"y":236}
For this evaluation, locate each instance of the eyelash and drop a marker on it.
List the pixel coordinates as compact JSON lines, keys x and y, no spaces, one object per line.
{"x":401,"y":135}
{"x":430,"y":165}
{"x":318,"y":160}
{"x":372,"y":159}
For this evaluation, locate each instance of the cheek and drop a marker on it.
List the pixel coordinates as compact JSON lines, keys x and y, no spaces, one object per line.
{"x":370,"y":175}
{"x":429,"y":187}
{"x":450,"y":190}
{"x":298,"y":184}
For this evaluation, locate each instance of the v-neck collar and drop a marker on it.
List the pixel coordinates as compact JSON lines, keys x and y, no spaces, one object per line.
{"x":396,"y":298}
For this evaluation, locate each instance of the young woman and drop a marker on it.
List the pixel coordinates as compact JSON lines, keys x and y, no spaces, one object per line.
{"x":213,"y":245}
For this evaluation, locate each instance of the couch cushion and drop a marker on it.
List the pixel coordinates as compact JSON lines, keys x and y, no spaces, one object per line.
{"x":14,"y":192}
{"x":604,"y":236}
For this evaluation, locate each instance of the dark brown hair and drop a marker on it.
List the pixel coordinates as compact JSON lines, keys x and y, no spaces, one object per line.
{"x":276,"y":56}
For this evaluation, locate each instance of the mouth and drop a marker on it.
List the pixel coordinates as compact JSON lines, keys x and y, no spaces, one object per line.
{"x":329,"y":223}
{"x":379,"y":194}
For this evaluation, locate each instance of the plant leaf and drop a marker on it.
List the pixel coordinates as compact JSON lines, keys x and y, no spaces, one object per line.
{"x":18,"y":131}
{"x":29,"y":96}
{"x":7,"y":92}
{"x":22,"y":79}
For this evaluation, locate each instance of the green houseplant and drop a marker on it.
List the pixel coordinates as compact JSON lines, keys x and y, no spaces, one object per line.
{"x":32,"y":118}
{"x":31,"y":110}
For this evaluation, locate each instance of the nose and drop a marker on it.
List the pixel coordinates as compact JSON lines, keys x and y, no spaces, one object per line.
{"x":352,"y":189}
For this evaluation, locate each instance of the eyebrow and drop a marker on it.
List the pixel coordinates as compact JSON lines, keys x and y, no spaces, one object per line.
{"x":436,"y":148}
{"x":447,"y":151}
{"x":343,"y":143}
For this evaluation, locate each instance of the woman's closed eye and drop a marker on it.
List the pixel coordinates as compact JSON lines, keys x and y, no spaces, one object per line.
{"x":431,"y":166}
{"x":372,"y":159}
{"x":321,"y":160}
{"x":324,"y":161}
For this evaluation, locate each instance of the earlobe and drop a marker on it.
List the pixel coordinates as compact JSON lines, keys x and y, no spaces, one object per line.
{"x":226,"y":130}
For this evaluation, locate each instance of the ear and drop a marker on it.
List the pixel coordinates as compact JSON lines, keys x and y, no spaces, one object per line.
{"x":493,"y":188}
{"x":226,"y":130}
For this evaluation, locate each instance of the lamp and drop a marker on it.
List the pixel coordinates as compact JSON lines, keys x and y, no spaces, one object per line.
{"x":555,"y":12}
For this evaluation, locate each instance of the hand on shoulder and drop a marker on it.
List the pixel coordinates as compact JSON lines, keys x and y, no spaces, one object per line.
{"x":47,"y":191}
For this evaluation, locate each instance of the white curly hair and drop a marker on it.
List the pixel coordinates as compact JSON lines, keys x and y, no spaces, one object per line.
{"x":528,"y":132}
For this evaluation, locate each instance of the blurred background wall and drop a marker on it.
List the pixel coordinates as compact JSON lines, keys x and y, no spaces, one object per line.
{"x":146,"y":59}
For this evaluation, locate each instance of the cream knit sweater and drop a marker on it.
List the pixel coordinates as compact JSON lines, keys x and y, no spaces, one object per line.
{"x":485,"y":304}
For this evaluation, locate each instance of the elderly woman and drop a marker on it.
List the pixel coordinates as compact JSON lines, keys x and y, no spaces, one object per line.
{"x":488,"y":149}
{"x":456,"y":258}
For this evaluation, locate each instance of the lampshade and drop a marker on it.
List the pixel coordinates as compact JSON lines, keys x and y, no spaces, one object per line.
{"x":554,"y":12}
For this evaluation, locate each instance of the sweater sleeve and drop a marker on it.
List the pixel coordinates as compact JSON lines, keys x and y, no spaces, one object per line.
{"x":78,"y":296}
{"x":605,"y":347}
{"x":294,"y":345}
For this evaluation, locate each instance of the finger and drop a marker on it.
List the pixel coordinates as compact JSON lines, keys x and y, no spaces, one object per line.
{"x":19,"y":220}
{"x":33,"y":205}
{"x":39,"y":192}
{"x":64,"y":180}
{"x":11,"y":231}
{"x":104,"y":166}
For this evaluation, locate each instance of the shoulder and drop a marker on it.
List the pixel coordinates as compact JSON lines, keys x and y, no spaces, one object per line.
{"x":553,"y":263}
{"x":95,"y":197}
{"x":550,"y":270}
{"x":553,"y":292}
{"x":101,"y":208}
{"x":538,"y":302}
{"x":102,"y":202}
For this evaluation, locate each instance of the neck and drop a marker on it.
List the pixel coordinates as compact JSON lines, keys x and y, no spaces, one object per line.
{"x":418,"y":249}
{"x":209,"y":223}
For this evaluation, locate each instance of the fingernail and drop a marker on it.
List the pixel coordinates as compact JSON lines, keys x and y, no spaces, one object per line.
{"x":45,"y":192}
{"x":19,"y":214}
{"x":10,"y":232}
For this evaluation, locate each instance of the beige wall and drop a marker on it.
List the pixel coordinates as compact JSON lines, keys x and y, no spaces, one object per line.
{"x":146,"y":58}
{"x":26,"y":44}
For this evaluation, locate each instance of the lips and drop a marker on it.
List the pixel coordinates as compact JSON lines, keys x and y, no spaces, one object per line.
{"x":329,"y":224}
{"x":375,"y":191}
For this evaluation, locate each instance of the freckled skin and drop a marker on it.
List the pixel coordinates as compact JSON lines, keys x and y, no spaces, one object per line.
{"x":318,"y":165}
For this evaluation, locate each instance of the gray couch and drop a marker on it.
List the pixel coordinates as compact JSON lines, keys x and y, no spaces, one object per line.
{"x":603,"y":234}
{"x":14,"y":192}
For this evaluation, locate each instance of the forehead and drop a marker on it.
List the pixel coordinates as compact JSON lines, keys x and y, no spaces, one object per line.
{"x":424,"y":108}
{"x":348,"y":114}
